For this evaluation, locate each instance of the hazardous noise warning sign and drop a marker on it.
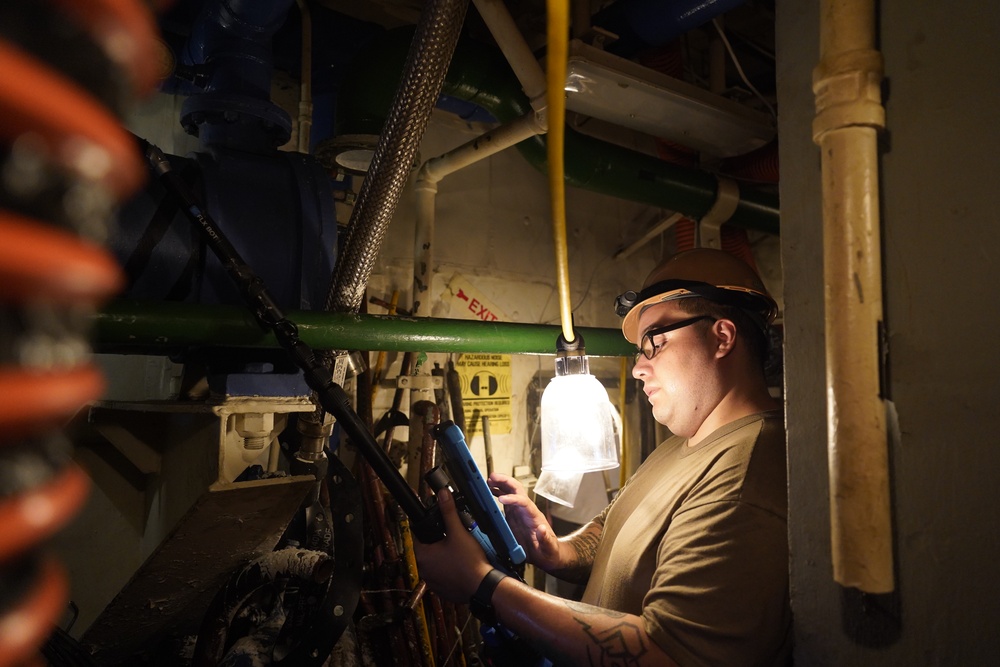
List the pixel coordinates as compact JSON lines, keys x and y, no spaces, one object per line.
{"x":485,"y":378}
{"x":486,"y":391}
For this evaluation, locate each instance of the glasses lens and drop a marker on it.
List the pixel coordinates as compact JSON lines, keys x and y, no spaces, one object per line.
{"x":647,"y":349}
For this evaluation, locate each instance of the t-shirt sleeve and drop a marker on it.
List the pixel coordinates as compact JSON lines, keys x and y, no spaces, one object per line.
{"x":718,"y":595}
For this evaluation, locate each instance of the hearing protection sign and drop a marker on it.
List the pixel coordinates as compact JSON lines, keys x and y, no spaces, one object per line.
{"x":485,"y":378}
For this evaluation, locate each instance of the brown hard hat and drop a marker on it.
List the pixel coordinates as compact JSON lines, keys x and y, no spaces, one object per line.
{"x":703,"y":272}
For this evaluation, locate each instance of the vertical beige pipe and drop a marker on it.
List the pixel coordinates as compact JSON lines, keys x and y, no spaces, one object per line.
{"x":849,"y":115}
{"x":305,"y":88}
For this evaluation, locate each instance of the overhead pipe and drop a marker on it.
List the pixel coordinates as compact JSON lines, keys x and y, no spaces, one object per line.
{"x":849,"y":116}
{"x":533,"y":84}
{"x":159,"y":327}
{"x":305,"y":78}
{"x":517,"y":52}
{"x":426,"y":187}
{"x":232,"y":40}
{"x":478,"y":74}
{"x":406,"y":117}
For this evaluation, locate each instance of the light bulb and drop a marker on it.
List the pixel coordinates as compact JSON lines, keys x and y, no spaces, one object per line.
{"x":578,"y":425}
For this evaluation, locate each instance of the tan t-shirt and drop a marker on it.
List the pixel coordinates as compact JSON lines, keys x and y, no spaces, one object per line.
{"x":696,"y":544}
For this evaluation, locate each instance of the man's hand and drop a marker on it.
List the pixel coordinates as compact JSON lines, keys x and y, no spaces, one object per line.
{"x":529,"y":525}
{"x":452,"y":567}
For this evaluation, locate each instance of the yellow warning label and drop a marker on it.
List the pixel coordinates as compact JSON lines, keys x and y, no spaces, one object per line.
{"x":486,"y":391}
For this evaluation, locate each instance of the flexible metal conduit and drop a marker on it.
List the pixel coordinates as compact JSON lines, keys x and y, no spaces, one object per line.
{"x":480,"y":75}
{"x":423,"y":73}
{"x":849,"y":115}
{"x":66,"y":163}
{"x":158,"y":327}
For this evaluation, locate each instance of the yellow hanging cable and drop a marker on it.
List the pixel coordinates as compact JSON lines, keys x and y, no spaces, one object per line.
{"x":558,"y":48}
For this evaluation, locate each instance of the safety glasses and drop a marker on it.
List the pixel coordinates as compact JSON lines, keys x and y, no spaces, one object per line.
{"x":649,"y":349}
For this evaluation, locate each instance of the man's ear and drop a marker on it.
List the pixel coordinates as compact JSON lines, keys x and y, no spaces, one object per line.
{"x":725,"y":337}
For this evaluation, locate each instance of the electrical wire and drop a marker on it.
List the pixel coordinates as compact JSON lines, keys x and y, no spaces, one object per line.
{"x":739,"y":69}
{"x":558,"y":48}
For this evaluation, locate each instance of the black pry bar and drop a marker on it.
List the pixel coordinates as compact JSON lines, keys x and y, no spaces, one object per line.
{"x":426,"y":523}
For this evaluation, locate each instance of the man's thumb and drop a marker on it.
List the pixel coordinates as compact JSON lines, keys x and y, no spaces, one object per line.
{"x":446,"y":503}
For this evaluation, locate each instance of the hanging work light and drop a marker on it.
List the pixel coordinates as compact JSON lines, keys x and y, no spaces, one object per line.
{"x":578,"y":433}
{"x":579,"y":430}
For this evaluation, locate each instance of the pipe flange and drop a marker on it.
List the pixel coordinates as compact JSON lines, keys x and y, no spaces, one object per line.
{"x":223,"y":109}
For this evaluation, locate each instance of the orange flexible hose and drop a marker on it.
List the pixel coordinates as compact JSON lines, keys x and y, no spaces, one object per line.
{"x":31,"y":401}
{"x":49,"y":264}
{"x":45,"y":113}
{"x":126,"y":32}
{"x":26,"y":626}
{"x":78,"y":133}
{"x":34,"y":516}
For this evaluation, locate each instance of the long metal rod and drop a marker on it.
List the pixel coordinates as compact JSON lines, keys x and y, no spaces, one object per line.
{"x":128,"y":326}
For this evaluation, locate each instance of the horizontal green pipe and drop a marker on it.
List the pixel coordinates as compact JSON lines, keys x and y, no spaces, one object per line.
{"x":480,"y":75}
{"x":163,"y":327}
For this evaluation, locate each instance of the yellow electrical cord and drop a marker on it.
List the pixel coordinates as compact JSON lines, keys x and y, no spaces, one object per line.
{"x":558,"y":49}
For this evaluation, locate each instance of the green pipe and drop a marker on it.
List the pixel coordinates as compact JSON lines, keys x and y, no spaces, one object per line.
{"x":479,"y":74}
{"x":163,"y":326}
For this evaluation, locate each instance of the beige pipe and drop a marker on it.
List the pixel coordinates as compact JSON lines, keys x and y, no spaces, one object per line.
{"x":515,"y":49}
{"x":849,"y":115}
{"x":426,"y":188}
{"x":305,"y":88}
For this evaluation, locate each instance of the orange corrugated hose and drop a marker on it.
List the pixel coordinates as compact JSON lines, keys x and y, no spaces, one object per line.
{"x":734,"y":241}
{"x":68,"y":141}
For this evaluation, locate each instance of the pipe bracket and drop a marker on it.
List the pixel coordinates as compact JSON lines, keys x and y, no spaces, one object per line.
{"x":727,"y":200}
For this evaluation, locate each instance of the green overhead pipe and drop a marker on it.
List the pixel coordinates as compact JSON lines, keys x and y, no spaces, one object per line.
{"x":163,"y":326}
{"x":480,"y":75}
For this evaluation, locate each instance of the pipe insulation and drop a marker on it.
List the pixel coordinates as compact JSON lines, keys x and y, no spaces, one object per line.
{"x":426,"y":62}
{"x":480,"y":75}
{"x":849,"y":116}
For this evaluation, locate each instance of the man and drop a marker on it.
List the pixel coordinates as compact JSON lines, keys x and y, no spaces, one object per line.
{"x":689,"y":563}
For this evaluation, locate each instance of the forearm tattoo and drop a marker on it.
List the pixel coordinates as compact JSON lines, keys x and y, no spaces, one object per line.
{"x":584,"y":545}
{"x":618,"y":644}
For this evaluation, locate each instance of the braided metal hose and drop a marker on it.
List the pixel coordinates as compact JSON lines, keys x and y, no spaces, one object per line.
{"x":69,"y":68}
{"x":423,"y":75}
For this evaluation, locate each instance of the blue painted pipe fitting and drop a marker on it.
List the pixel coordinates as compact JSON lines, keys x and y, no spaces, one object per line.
{"x":640,"y":24}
